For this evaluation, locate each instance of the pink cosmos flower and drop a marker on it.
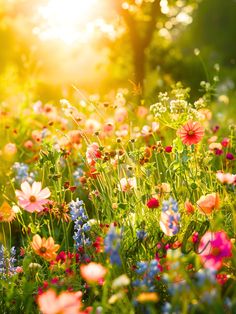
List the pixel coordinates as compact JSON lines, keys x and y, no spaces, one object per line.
{"x":214,"y":248}
{"x":64,"y":303}
{"x":32,"y":198}
{"x":226,"y":177}
{"x":212,"y":139}
{"x":142,"y":111}
{"x":92,"y":125}
{"x":93,"y":272}
{"x":108,"y":128}
{"x":121,"y":114}
{"x":214,"y":146}
{"x":191,"y":133}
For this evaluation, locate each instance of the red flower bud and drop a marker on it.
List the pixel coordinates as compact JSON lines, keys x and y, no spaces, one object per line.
{"x":153,"y":203}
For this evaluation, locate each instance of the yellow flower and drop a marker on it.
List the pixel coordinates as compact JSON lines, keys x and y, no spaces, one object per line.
{"x":147,"y":297}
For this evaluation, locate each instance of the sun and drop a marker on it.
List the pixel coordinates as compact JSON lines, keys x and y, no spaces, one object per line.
{"x":66,"y":20}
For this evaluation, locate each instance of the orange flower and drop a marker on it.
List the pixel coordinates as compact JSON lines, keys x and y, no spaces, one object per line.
{"x":191,"y":133}
{"x":93,"y":272}
{"x":207,"y":203}
{"x":6,"y":213}
{"x":45,"y":248}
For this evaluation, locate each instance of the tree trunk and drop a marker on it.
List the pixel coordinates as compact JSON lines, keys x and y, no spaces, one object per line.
{"x":138,"y":41}
{"x":139,"y":66}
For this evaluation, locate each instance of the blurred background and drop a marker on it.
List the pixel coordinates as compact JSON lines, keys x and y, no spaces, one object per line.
{"x":50,"y":46}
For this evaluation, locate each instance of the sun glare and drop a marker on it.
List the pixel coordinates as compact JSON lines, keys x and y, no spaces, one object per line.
{"x":66,"y":20}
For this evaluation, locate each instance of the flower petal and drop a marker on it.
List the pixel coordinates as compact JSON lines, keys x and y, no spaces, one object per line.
{"x":36,"y":188}
{"x":26,"y":188}
{"x":37,"y":241}
{"x":45,"y":193}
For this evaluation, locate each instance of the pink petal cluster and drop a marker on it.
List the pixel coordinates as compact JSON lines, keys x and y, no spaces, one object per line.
{"x":32,"y":198}
{"x":64,"y":303}
{"x":226,"y":178}
{"x":214,"y":248}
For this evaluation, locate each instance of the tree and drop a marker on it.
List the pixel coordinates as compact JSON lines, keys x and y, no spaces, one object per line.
{"x":139,"y":40}
{"x":144,"y":18}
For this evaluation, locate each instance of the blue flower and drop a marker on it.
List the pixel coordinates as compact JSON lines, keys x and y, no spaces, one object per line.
{"x":148,"y":270}
{"x":166,"y":308}
{"x":77,"y":210}
{"x":141,"y":234}
{"x":142,"y":267}
{"x":22,"y":173}
{"x":7,"y":261}
{"x":81,"y":226}
{"x":112,"y":244}
{"x":170,"y":217}
{"x":171,"y":204}
{"x":205,"y":275}
{"x":77,"y":174}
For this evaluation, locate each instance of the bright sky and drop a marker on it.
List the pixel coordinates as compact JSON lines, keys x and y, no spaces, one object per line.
{"x":67,"y":20}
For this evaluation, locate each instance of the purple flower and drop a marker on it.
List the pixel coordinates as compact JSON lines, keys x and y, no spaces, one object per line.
{"x":230,"y":156}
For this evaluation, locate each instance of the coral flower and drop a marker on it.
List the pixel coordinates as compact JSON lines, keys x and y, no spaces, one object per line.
{"x":93,"y":272}
{"x":32,"y":198}
{"x":214,"y":248}
{"x":191,"y":133}
{"x":64,"y":303}
{"x":189,"y":207}
{"x":45,"y":248}
{"x":207,"y":203}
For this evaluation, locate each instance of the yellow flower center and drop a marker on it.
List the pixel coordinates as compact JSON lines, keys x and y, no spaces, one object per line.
{"x":32,"y":199}
{"x":190,"y":132}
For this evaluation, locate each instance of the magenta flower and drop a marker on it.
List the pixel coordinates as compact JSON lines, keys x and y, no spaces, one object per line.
{"x":230,"y":156}
{"x":214,"y":248}
{"x":32,"y":198}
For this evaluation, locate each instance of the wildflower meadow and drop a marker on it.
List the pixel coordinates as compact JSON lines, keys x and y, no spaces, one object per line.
{"x":116,"y":199}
